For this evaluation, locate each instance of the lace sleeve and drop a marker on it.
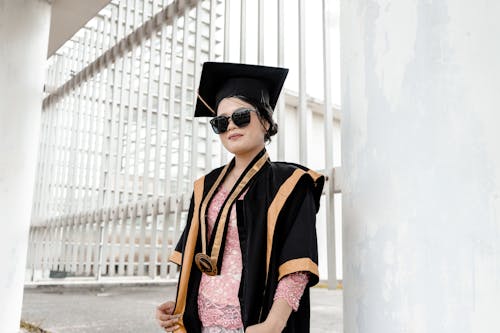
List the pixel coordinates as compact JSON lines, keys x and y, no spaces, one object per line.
{"x":291,"y":287}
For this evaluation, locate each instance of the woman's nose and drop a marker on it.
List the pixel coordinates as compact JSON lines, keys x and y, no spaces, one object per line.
{"x":231,"y":124}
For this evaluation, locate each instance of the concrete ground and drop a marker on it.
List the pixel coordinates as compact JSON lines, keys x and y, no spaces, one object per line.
{"x":130,"y":309}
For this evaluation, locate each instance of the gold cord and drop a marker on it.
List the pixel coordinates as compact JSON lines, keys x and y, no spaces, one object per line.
{"x":205,"y":103}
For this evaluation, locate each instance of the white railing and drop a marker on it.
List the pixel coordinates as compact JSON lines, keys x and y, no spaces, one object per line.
{"x":118,"y":126}
{"x":134,"y":239}
{"x":117,"y":123}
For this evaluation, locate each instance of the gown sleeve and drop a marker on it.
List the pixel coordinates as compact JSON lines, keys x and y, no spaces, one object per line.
{"x":299,"y":251}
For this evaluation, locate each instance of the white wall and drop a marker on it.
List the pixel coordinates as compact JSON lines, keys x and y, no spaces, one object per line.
{"x":421,"y":159}
{"x":24,"y":37}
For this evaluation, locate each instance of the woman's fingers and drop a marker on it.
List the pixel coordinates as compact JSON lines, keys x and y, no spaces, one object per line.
{"x":169,"y":324}
{"x":165,"y":317}
{"x":167,"y":307}
{"x":171,"y":329}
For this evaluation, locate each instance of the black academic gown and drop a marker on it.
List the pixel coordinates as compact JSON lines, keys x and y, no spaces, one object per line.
{"x":277,"y":233}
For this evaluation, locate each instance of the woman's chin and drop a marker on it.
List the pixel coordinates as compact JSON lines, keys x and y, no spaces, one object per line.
{"x":237,"y":148}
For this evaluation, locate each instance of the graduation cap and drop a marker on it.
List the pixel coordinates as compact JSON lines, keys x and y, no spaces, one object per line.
{"x":221,"y":79}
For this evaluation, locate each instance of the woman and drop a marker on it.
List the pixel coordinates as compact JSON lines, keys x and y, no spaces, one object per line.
{"x":248,"y":253}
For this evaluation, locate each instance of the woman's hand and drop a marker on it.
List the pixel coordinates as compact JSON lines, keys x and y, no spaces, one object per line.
{"x":268,"y":326}
{"x":260,"y":328}
{"x":265,"y":327}
{"x":165,"y":317}
{"x":276,"y":319}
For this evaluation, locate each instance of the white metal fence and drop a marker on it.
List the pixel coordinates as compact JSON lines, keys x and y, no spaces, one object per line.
{"x":133,"y":239}
{"x":118,"y":133}
{"x":120,"y":128}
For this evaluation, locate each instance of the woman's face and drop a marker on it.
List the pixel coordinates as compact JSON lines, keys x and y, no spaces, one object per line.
{"x":244,"y":140}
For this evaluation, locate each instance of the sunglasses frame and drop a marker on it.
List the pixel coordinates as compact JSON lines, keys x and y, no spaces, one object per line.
{"x":239,"y":118}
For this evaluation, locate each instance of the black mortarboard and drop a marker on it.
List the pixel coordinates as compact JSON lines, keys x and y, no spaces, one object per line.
{"x":221,"y":79}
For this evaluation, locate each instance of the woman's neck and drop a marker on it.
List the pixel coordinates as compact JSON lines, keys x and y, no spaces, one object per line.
{"x":241,"y":161}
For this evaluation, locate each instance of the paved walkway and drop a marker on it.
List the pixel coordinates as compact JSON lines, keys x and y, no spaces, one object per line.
{"x":127,"y":309}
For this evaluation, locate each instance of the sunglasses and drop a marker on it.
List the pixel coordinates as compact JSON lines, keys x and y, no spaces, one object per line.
{"x":240,"y":118}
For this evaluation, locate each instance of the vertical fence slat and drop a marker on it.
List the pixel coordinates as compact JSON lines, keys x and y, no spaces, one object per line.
{"x":138,"y":129}
{"x":260,"y":33}
{"x":165,"y":224}
{"x":95,"y":251}
{"x":128,"y":188}
{"x":153,"y":241}
{"x":44,"y":264}
{"x":63,"y":169}
{"x":160,"y":110}
{"x":106,"y":243}
{"x":97,"y":121}
{"x":243,"y":31}
{"x":330,"y":188}
{"x":56,"y":174}
{"x":90,"y":232}
{"x":280,"y":108}
{"x":45,"y":155}
{"x":58,"y":248}
{"x":115,"y":213}
{"x":143,"y":211}
{"x":83,"y":233}
{"x":90,"y":148}
{"x":125,"y":213}
{"x":120,"y":182}
{"x":63,"y":263}
{"x":302,"y":86}
{"x":211,"y":57}
{"x":39,"y":262}
{"x":33,"y":261}
{"x":78,"y":200}
{"x":75,"y":140}
{"x":194,"y":122}
{"x":131,"y":58}
{"x":107,"y":106}
{"x":146,"y":179}
{"x":131,"y":239}
{"x":50,"y":186}
{"x":182,"y":111}
{"x":171,"y":108}
{"x":73,"y":236}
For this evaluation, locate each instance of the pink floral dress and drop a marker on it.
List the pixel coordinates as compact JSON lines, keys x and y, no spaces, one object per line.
{"x":218,"y":303}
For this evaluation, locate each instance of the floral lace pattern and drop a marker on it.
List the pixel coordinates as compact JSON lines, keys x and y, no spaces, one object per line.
{"x":291,"y":287}
{"x":213,"y":329}
{"x":218,"y":303}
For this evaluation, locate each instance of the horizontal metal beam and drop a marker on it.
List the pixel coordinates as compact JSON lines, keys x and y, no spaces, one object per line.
{"x":125,"y":45}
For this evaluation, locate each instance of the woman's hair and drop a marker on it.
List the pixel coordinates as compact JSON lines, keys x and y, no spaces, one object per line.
{"x":264,"y":112}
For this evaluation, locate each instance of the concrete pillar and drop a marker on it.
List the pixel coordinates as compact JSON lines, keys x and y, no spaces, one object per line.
{"x":24,"y":31}
{"x":421,"y":160}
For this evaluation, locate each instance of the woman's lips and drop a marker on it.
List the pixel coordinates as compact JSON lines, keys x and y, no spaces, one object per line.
{"x":235,"y":136}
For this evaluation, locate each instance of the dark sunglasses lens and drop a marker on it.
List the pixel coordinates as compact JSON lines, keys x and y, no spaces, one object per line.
{"x":219,"y":124}
{"x":241,"y":118}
